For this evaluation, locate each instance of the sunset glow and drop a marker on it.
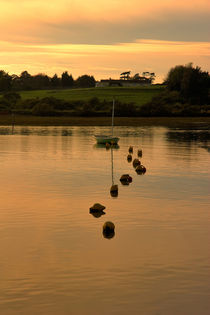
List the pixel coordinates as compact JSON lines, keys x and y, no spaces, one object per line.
{"x":103,"y":38}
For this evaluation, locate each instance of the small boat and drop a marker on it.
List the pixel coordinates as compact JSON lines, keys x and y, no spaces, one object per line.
{"x":102,"y":139}
{"x":111,"y":139}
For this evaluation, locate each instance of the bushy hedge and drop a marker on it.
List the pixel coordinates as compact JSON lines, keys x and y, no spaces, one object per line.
{"x":168,"y":103}
{"x":50,"y":106}
{"x":171,"y":104}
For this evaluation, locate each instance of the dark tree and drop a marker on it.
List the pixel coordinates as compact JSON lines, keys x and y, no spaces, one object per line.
{"x":85,"y":81}
{"x":125,"y":75}
{"x":5,"y":81}
{"x":40,"y":81}
{"x":25,"y":75}
{"x":25,"y":81}
{"x":149,"y":76}
{"x":55,"y":81}
{"x":193,"y":84}
{"x":67,"y":80}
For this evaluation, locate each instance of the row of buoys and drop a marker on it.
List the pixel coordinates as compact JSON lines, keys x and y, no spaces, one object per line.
{"x":139,"y":168}
{"x":130,"y":150}
{"x":126,"y":179}
{"x":139,"y":152}
{"x":97,"y":210}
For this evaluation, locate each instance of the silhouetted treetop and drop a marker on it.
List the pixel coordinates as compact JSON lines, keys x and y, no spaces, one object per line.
{"x":193,"y":84}
{"x":40,"y":81}
{"x":85,"y":81}
{"x":67,"y":80}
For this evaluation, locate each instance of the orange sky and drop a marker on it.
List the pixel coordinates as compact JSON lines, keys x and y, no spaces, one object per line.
{"x":103,"y":38}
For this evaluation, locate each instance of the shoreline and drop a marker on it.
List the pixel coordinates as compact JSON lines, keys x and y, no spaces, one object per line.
{"x":23,"y":120}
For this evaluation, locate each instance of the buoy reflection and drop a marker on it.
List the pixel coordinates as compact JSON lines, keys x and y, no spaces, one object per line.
{"x":97,"y":210}
{"x":108,"y":230}
{"x":114,"y":191}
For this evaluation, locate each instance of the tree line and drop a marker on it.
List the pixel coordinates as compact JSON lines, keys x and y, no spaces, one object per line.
{"x":26,"y":81}
{"x":187,"y":93}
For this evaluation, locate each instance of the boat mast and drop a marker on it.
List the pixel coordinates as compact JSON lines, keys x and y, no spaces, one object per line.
{"x":112,"y":166}
{"x":113,"y":117}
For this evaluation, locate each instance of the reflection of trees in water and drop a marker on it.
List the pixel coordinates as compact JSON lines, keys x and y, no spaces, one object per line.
{"x":145,"y":135}
{"x":206,"y":147}
{"x":38,"y":131}
{"x":188,"y":136}
{"x":185,"y":144}
{"x":5,"y":131}
{"x":66,"y":132}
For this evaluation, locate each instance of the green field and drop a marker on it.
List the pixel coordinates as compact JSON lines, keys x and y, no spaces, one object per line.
{"x":138,"y":96}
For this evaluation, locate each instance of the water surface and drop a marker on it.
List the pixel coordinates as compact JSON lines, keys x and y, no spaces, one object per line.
{"x":54,"y":257}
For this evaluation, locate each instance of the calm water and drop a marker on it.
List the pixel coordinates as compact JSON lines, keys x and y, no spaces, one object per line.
{"x":54,"y":257}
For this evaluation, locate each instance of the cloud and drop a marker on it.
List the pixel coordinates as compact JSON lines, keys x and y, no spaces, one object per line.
{"x":103,"y":60}
{"x":103,"y":37}
{"x":104,"y":21}
{"x":107,"y":10}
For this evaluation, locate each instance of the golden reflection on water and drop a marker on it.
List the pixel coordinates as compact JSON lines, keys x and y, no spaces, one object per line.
{"x":55,"y":256}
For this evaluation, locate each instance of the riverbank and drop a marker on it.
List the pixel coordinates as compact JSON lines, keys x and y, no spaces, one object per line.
{"x":174,"y":122}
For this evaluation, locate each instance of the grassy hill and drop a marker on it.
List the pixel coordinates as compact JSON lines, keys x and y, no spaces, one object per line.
{"x":138,"y":96}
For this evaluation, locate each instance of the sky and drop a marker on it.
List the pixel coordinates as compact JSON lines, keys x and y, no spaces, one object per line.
{"x":104,"y":37}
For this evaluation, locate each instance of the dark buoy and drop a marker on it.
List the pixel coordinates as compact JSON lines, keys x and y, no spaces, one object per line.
{"x":136,"y":162}
{"x":141,"y":169}
{"x":130,"y":149}
{"x":97,"y":207}
{"x":114,"y":191}
{"x":139,"y":153}
{"x":97,"y":210}
{"x":125,"y":179}
{"x":129,"y":158}
{"x":125,"y":183}
{"x":108,"y":230}
{"x":97,"y":214}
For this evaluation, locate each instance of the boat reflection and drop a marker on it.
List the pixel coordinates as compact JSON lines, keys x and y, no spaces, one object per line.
{"x":114,"y":187}
{"x":206,"y":147}
{"x":97,"y":210}
{"x":103,"y":146}
{"x":188,"y":136}
{"x":97,"y":214}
